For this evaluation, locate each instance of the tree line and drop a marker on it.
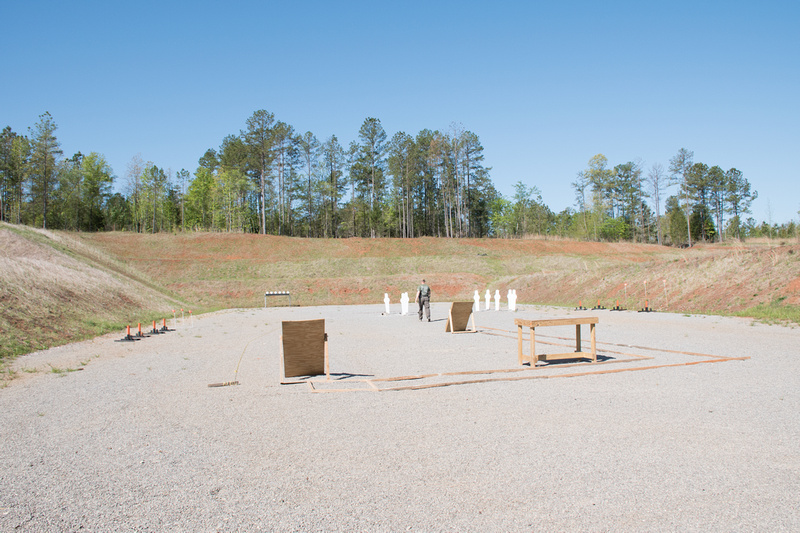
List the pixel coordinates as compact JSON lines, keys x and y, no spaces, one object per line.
{"x":270,"y":179}
{"x":40,"y":188}
{"x":612,"y":202}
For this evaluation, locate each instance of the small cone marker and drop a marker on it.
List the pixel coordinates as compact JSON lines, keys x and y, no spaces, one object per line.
{"x":646,"y":308}
{"x":617,"y":307}
{"x":598,"y":305}
{"x":580,"y":306}
{"x":128,"y":337}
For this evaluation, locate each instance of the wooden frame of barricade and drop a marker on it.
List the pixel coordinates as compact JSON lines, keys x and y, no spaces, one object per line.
{"x":459,"y":317}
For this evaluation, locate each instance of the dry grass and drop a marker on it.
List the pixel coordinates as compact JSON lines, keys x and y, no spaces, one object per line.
{"x":234,"y":270}
{"x":51,"y":295}
{"x":57,"y":287}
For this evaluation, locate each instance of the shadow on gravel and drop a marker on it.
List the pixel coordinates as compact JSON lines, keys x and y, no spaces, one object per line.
{"x":571,"y":361}
{"x":346,"y":375}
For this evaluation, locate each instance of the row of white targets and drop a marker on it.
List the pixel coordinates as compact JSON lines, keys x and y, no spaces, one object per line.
{"x":511,"y":297}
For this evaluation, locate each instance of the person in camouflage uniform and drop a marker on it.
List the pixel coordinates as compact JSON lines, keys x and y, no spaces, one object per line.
{"x":424,"y":299}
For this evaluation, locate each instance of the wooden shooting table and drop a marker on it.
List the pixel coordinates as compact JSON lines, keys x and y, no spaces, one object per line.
{"x":577,"y":354}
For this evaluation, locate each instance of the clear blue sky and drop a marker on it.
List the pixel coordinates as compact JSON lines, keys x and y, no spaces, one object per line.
{"x":545,"y":85}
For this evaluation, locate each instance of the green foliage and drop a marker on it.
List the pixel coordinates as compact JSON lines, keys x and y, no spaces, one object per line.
{"x":84,"y":187}
{"x":45,"y":151}
{"x":501,"y":219}
{"x":566,"y":223}
{"x":258,"y":140}
{"x":737,"y":198}
{"x":776,"y":311}
{"x":117,"y":213}
{"x":615,"y":229}
{"x":332,"y":186}
{"x":12,"y":346}
{"x":270,"y":179}
{"x":368,"y":176}
{"x":309,"y":150}
{"x":528,"y":215}
{"x":199,"y":197}
{"x":676,"y":222}
{"x":697,"y":187}
{"x":611,"y":202}
{"x":230,"y":207}
{"x":15,"y":152}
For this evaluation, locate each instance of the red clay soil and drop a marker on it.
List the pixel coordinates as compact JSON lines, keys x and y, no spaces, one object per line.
{"x":233,"y":270}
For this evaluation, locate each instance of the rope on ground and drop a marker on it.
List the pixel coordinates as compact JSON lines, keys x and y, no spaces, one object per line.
{"x":236,"y":372}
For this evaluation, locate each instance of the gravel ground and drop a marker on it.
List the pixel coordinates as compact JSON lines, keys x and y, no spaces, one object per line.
{"x":137,"y":441}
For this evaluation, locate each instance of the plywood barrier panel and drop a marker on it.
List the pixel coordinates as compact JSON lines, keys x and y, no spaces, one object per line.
{"x":459,"y":316}
{"x":303,"y":348}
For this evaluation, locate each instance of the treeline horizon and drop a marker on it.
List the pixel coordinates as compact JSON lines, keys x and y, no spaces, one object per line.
{"x":270,"y":179}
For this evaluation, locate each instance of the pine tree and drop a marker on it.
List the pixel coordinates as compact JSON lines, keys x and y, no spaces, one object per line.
{"x":333,"y":162}
{"x":44,"y":156}
{"x":679,"y":167}
{"x":371,"y":161}
{"x":309,"y":150}
{"x":738,"y":197}
{"x":15,"y":152}
{"x":259,"y":139}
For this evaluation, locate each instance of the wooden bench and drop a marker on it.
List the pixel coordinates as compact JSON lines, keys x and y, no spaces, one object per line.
{"x":577,"y":354}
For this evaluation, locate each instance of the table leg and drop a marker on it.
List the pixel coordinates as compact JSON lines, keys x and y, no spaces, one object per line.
{"x":533,"y":348}
{"x":578,"y":338}
{"x":519,"y":345}
{"x":594,"y":346}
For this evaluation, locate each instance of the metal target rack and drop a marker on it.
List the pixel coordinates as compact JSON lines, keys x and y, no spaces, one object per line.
{"x":277,"y":293}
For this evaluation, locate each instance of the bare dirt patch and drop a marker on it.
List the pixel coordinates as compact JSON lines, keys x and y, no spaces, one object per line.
{"x":235,"y":269}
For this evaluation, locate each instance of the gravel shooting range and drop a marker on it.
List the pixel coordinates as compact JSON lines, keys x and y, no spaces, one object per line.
{"x":400,"y":267}
{"x":680,"y":423}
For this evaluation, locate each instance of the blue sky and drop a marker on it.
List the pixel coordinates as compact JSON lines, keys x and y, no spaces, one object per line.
{"x":544,"y":85}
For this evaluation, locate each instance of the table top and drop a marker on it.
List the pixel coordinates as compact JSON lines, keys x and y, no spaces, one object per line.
{"x":571,"y":321}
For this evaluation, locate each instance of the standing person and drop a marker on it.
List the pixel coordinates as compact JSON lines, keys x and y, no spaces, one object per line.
{"x":424,"y":298}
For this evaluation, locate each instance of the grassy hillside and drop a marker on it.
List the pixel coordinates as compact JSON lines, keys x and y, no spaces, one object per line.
{"x":59,"y":287}
{"x":55,"y":289}
{"x":216,"y":270}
